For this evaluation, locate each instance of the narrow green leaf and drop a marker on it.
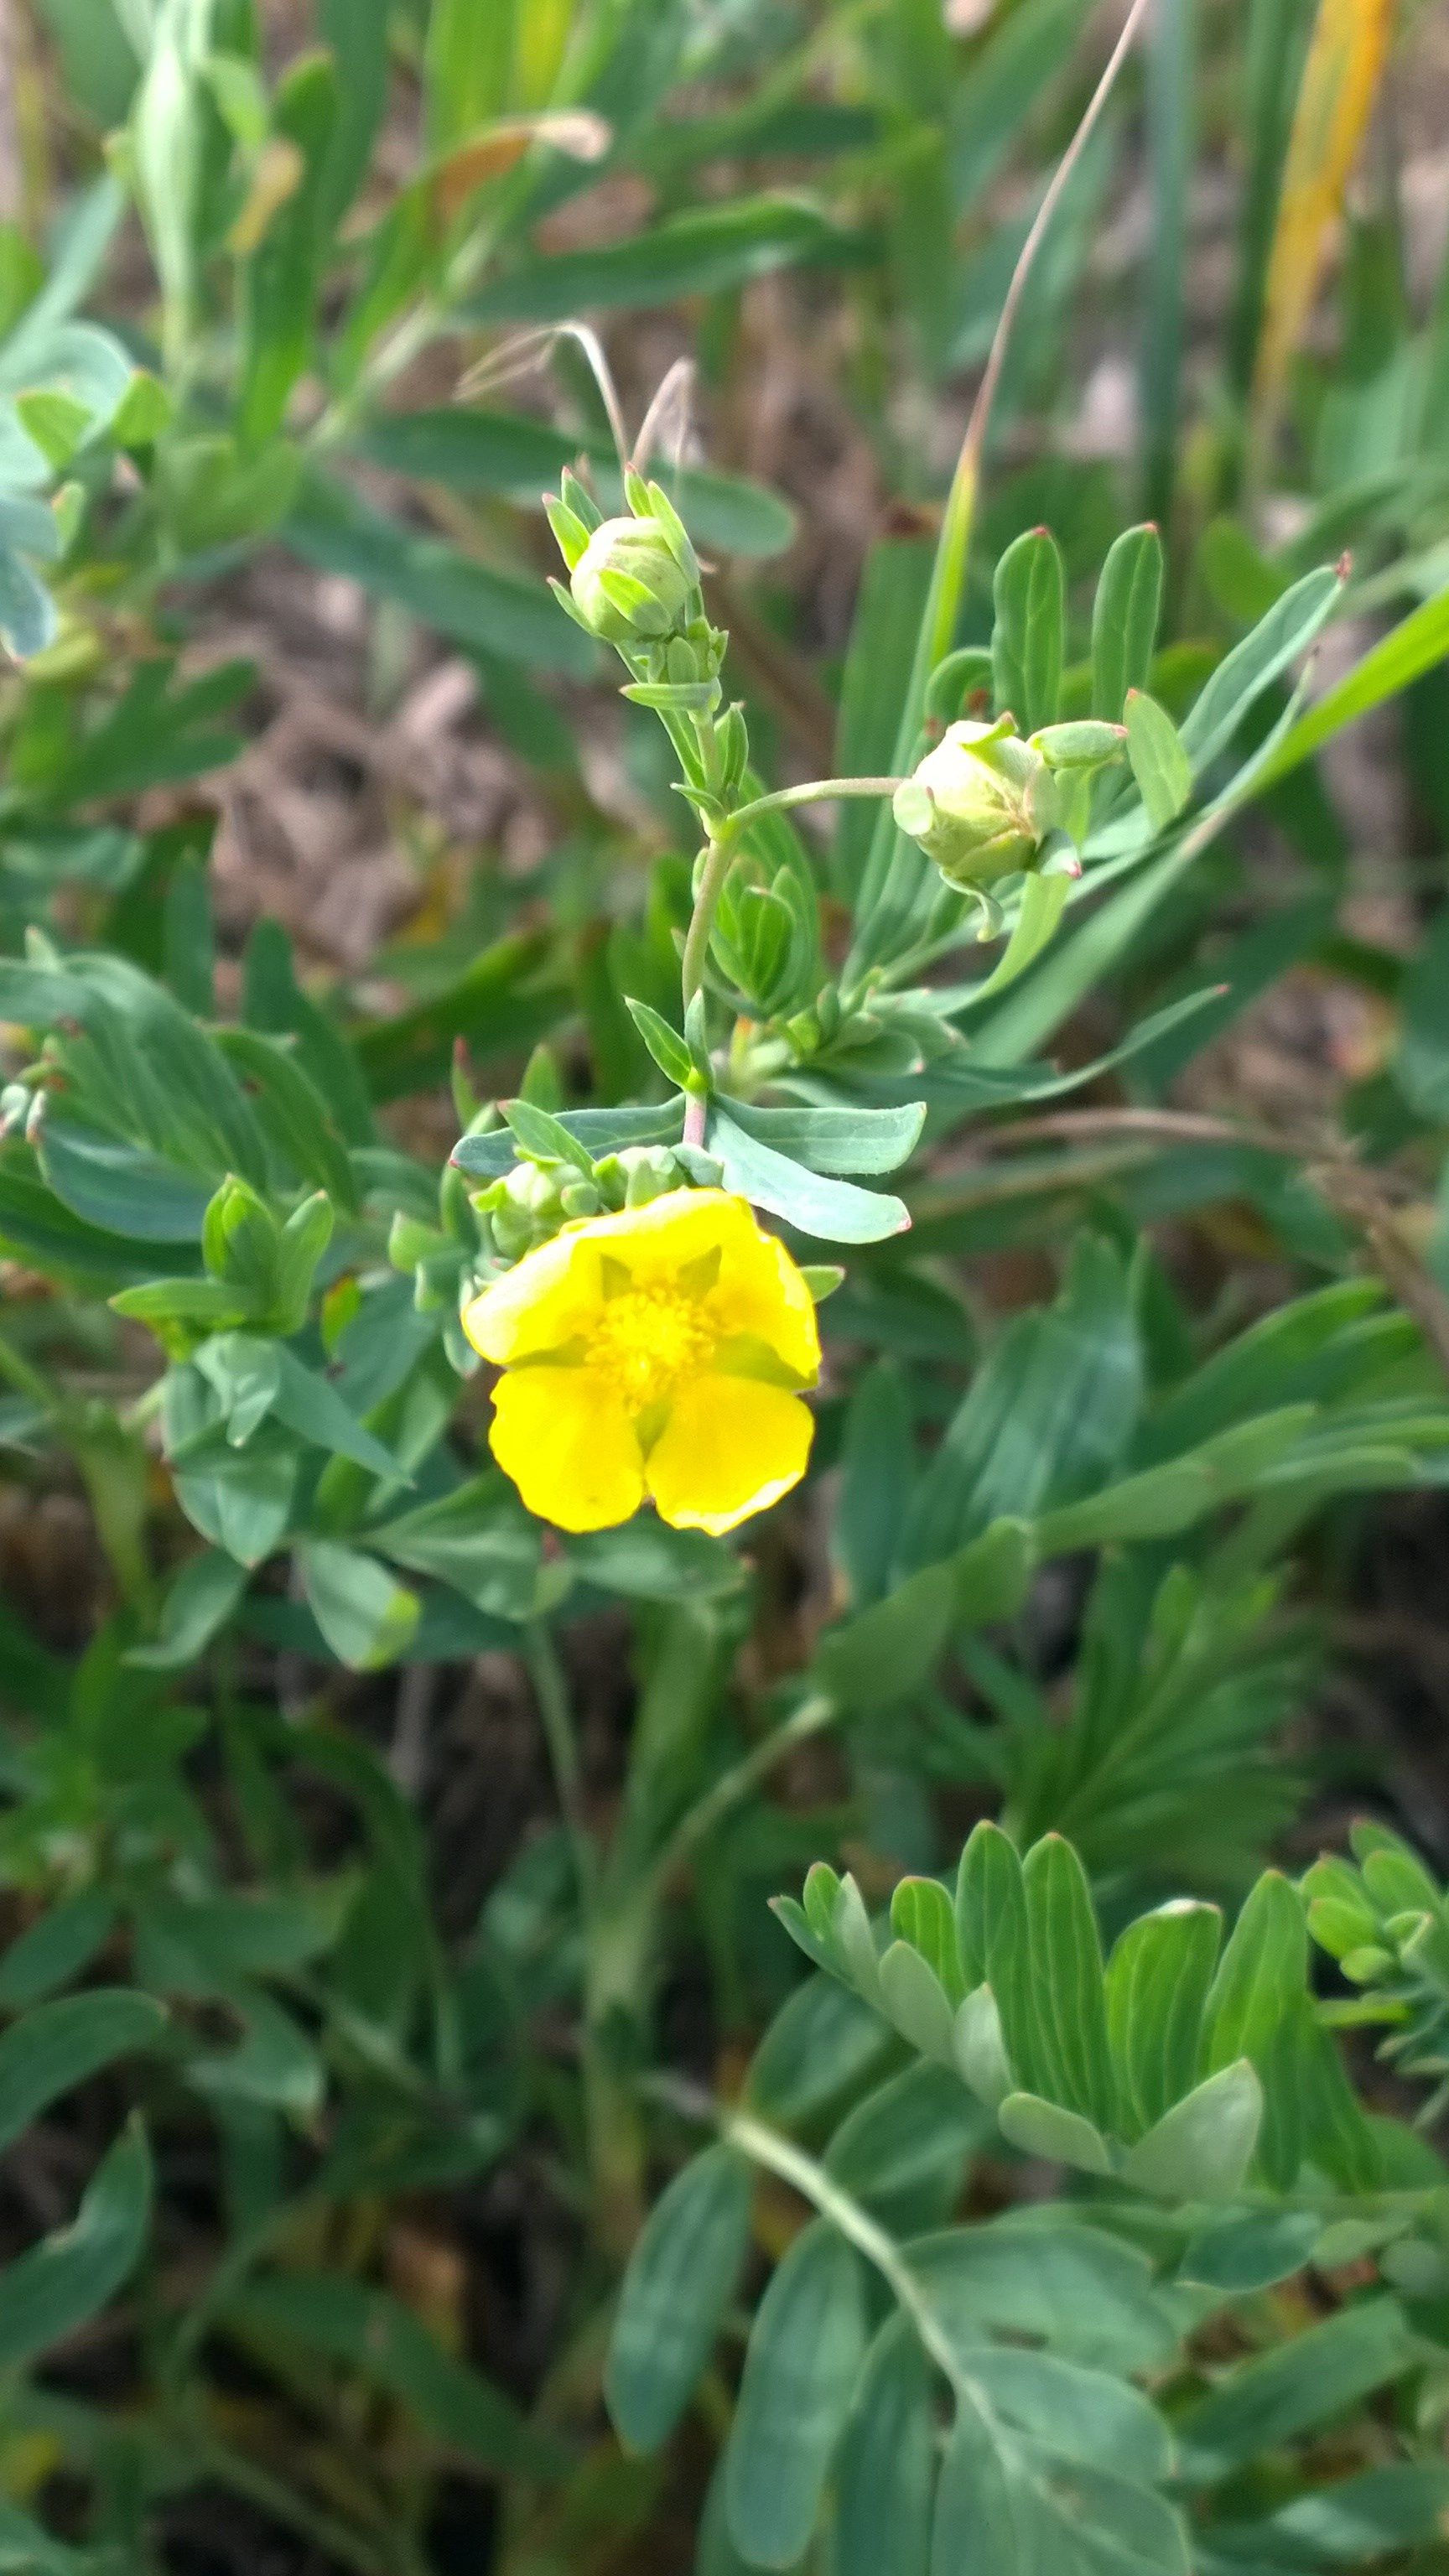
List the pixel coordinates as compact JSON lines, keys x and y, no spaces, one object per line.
{"x":1414,"y":646}
{"x":61,"y":2282}
{"x":198,"y":1603}
{"x":365,"y":1615}
{"x":1252,"y":666}
{"x":1066,"y":1957}
{"x":922,"y":1913}
{"x":60,"y":2044}
{"x":1201,"y":2149}
{"x":831,"y":1211}
{"x":1299,"y":2385}
{"x":680,"y":2279}
{"x":367,"y":2331}
{"x":706,"y":251}
{"x":836,"y":1140}
{"x":331,"y":528}
{"x":914,"y":2000}
{"x":279,"y":284}
{"x":1160,"y":764}
{"x":1124,"y":620}
{"x":1028,"y":641}
{"x":1157,"y":1984}
{"x":888,"y":2463}
{"x":800,"y":2373}
{"x":1059,"y":2136}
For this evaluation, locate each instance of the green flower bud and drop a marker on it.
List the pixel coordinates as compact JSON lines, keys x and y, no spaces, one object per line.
{"x":980,"y":804}
{"x":634,"y":581}
{"x":525,"y":1208}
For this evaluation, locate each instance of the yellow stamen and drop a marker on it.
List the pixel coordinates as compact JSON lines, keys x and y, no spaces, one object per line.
{"x":645,"y":1340}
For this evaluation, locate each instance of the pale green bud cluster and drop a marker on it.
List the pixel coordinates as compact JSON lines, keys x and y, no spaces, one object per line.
{"x":984,"y":802}
{"x":535,"y":1200}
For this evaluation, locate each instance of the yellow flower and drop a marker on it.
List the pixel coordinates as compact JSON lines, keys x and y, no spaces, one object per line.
{"x":655,"y":1352}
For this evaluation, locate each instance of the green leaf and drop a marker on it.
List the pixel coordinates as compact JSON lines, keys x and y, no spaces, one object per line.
{"x":665,"y":1044}
{"x":1078,"y":2414}
{"x":681,"y":2277}
{"x":56,"y":1947}
{"x":198,"y":1603}
{"x":646,"y":1560}
{"x":1048,"y":1412}
{"x":240,"y":1499}
{"x":1201,"y":2149}
{"x":887,"y":1651}
{"x":1046,"y":2275}
{"x":922,"y":1913}
{"x":476,"y":1539}
{"x":293,"y":1110}
{"x":488,"y":1156}
{"x":1160,"y":764}
{"x":61,"y":2282}
{"x":1350,"y":2520}
{"x":1261,"y":1976}
{"x":472,"y":450}
{"x":28,"y":618}
{"x":367,"y":2331}
{"x":1067,"y":1966}
{"x":908,"y":2140}
{"x":831,"y":1211}
{"x":1253,"y":666}
{"x":62,"y":2043}
{"x":1044,"y":899}
{"x":986,"y":2520}
{"x":836,"y":1140}
{"x":357,"y":32}
{"x":333,"y":529}
{"x":1411,"y":648}
{"x":279,"y":282}
{"x":707,"y":251}
{"x":1251,"y":2249}
{"x":914,"y":2000}
{"x":1028,"y":641}
{"x":312,"y":1407}
{"x":1059,"y":2136}
{"x":120,"y":1187}
{"x":366,"y":1617}
{"x":1253,"y":2000}
{"x":1124,"y":620}
{"x":887,"y":619}
{"x":887,"y":2463}
{"x":1310,"y":2381}
{"x":804,"y":2359}
{"x":1157,"y":1985}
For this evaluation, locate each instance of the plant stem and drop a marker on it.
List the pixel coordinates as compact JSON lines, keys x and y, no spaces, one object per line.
{"x":720,"y":850}
{"x":814,"y":791}
{"x":615,"y":1948}
{"x":811,"y":1718}
{"x":550,"y":1689}
{"x":718,"y":855}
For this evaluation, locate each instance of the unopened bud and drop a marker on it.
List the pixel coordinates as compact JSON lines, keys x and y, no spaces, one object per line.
{"x":977,"y":803}
{"x":633,"y":583}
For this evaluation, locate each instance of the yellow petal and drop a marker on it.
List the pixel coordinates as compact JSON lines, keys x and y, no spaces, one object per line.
{"x":569,"y":1447}
{"x":760,"y":1292}
{"x":548,"y":1298}
{"x":731,"y":1446}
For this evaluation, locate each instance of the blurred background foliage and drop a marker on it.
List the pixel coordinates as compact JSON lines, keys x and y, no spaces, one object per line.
{"x":384,"y":1878}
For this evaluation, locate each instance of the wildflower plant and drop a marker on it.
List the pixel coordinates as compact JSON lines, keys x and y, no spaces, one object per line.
{"x":1032,"y":2212}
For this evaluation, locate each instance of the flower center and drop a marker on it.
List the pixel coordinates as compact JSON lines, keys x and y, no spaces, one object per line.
{"x":646,"y":1339}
